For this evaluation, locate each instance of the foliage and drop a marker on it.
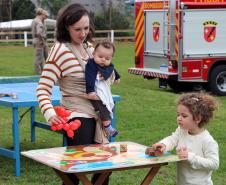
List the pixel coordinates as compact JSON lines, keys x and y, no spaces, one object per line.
{"x":100,"y":22}
{"x":53,"y":6}
{"x":22,"y":9}
{"x":110,"y":19}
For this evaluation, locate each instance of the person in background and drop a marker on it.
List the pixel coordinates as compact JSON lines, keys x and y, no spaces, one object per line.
{"x":39,"y":39}
{"x":65,"y":65}
{"x":196,"y":148}
{"x":100,"y":74}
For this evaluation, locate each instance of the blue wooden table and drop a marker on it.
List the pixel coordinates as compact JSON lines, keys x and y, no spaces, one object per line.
{"x":26,"y":97}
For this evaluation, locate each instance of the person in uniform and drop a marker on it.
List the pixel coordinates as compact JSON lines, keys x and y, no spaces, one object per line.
{"x":39,"y":39}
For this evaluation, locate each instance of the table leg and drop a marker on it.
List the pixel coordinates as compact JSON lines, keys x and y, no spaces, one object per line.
{"x":64,"y":177}
{"x":83,"y":179}
{"x":151,"y":174}
{"x":102,"y":178}
{"x":16,"y":141}
{"x":32,"y":115}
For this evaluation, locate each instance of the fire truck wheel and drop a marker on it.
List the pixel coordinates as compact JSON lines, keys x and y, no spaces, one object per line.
{"x":217,"y":82}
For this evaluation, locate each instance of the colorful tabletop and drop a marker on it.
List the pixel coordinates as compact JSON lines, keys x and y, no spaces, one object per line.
{"x":97,"y":157}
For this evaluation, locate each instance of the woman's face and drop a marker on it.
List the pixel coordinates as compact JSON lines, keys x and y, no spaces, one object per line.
{"x":79,"y":30}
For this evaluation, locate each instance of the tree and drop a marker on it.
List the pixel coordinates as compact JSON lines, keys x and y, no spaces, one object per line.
{"x":113,"y":20}
{"x":22,"y":9}
{"x":53,"y":5}
{"x":118,"y":21}
{"x":100,"y":22}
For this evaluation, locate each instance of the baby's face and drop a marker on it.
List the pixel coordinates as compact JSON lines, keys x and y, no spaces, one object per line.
{"x":103,"y":56}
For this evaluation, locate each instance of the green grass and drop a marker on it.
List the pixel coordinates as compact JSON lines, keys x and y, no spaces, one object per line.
{"x":144,"y":115}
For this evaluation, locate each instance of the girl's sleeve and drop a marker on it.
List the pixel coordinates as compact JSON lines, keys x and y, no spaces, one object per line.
{"x":210,"y":160}
{"x":171,"y":141}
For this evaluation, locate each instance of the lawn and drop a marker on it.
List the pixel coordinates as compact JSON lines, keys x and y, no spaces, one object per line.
{"x":144,"y":115}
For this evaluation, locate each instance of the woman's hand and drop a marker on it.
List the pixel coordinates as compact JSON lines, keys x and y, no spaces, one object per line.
{"x":90,"y":96}
{"x":93,"y":96}
{"x":182,"y":152}
{"x":56,"y":120}
{"x":159,"y":146}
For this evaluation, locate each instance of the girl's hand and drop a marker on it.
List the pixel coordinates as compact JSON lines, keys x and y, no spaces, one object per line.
{"x":182,"y":152}
{"x":159,"y":146}
{"x":56,"y":120}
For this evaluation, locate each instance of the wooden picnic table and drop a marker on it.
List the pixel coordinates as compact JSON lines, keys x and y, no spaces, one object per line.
{"x":99,"y":158}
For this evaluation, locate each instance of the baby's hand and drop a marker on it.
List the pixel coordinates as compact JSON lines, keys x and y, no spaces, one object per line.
{"x":101,"y":77}
{"x":92,"y":96}
{"x":182,"y":152}
{"x":117,"y":81}
{"x":159,"y":146}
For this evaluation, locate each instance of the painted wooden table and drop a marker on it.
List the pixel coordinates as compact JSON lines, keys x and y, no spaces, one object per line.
{"x":104,"y":159}
{"x":25,"y":96}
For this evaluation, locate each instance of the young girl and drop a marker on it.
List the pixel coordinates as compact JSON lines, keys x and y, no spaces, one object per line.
{"x":193,"y":142}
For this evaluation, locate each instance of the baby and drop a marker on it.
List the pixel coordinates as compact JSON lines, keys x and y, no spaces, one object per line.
{"x":99,"y":75}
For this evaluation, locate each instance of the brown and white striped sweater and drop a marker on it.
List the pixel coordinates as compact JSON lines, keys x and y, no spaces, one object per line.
{"x":62,"y":66}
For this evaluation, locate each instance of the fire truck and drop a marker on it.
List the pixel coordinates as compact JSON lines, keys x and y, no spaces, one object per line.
{"x":182,"y":43}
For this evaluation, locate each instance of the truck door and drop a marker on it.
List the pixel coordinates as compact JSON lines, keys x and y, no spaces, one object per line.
{"x":204,"y":36}
{"x":204,"y":33}
{"x":155,"y":32}
{"x":155,"y":37}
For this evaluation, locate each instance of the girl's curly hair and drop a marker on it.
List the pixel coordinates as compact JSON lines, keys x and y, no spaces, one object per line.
{"x":201,"y":105}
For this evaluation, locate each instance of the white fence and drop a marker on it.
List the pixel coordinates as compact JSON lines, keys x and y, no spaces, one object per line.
{"x":25,"y":37}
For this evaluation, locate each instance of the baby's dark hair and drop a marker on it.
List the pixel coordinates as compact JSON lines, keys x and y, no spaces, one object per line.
{"x":200,"y":105}
{"x":106,"y":44}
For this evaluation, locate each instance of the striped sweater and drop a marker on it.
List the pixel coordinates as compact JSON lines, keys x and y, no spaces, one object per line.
{"x":61,"y":63}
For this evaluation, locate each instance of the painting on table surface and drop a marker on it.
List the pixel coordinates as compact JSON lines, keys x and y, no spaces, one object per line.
{"x":86,"y":158}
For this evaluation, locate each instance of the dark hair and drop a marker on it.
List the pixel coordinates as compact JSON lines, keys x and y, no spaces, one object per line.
{"x":106,"y":44}
{"x":200,"y":105}
{"x":67,"y":16}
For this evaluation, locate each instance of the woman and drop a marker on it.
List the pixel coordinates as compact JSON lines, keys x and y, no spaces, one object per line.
{"x":65,"y":65}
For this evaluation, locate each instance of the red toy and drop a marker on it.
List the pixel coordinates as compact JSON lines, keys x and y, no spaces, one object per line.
{"x":68,"y":127}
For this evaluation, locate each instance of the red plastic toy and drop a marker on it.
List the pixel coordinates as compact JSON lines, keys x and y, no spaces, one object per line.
{"x":69,"y":127}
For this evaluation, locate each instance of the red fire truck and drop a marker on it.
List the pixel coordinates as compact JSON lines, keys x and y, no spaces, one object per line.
{"x":181,"y":42}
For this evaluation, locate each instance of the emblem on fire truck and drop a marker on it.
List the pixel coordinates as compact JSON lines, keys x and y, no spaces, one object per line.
{"x":210,"y":30}
{"x":155,"y":31}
